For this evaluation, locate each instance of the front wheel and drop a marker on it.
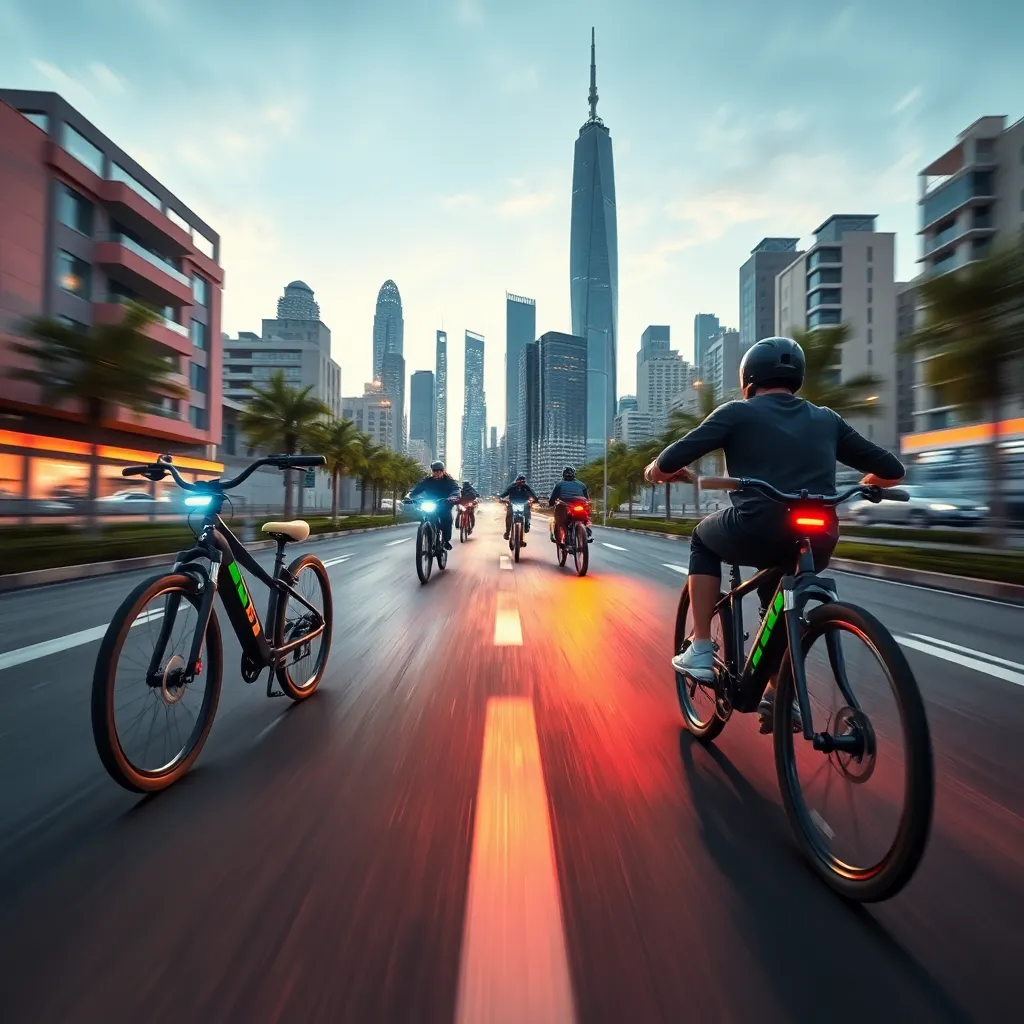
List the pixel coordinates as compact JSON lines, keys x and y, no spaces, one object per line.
{"x":517,"y":539}
{"x":151,"y":717}
{"x":424,"y":552}
{"x":463,"y":530}
{"x":698,"y":701}
{"x":861,"y":863}
{"x":300,"y":670}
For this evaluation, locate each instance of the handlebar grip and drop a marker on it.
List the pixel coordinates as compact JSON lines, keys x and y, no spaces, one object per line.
{"x":299,"y":461}
{"x":720,"y":483}
{"x":894,"y":494}
{"x":134,"y":470}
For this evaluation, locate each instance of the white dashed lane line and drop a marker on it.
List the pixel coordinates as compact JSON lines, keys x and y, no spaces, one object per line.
{"x":392,"y":543}
{"x":336,"y":561}
{"x":614,"y":547}
{"x":977,"y":661}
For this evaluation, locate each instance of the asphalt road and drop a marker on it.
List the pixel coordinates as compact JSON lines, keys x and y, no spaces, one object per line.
{"x":489,"y":812}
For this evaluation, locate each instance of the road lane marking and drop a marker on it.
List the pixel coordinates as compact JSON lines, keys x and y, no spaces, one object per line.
{"x":514,"y":967}
{"x":392,"y":543}
{"x":677,"y":568}
{"x":614,"y":547}
{"x":972,"y":661}
{"x":504,"y":562}
{"x":9,"y":659}
{"x":984,"y":656}
{"x":336,"y":561}
{"x":930,"y":590}
{"x":508,"y":631}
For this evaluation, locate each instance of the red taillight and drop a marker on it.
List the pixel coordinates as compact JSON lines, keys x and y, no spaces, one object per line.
{"x":809,"y":521}
{"x":579,"y":508}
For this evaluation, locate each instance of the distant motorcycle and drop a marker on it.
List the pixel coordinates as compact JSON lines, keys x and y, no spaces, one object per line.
{"x":572,"y":540}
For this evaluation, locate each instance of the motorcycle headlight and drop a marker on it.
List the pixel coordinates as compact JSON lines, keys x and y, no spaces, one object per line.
{"x":428,"y":506}
{"x":519,"y":508}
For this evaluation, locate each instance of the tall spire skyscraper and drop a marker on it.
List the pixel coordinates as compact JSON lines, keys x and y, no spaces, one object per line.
{"x":594,"y":265}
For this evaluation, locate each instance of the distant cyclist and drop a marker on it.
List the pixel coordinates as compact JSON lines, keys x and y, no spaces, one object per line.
{"x":469,"y":497}
{"x":565,"y":490}
{"x":521,"y":492}
{"x":444,"y":490}
{"x":787,"y":442}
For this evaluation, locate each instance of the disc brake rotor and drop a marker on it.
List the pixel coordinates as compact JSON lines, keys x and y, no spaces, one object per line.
{"x":857,"y":768}
{"x":172,"y":686}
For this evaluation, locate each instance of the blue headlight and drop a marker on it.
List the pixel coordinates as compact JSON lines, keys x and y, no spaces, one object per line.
{"x":428,"y":506}
{"x":198,"y":500}
{"x":519,"y":508}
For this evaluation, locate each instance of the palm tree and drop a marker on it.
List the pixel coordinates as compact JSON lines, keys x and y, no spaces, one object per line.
{"x":626,"y":469}
{"x":376,"y":472}
{"x":824,"y":384}
{"x":973,"y":336}
{"x":97,"y":370}
{"x":281,"y":418}
{"x":339,"y":442}
{"x":404,"y":472}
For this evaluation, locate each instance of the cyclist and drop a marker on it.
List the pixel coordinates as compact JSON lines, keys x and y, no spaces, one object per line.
{"x":444,"y":490}
{"x":565,"y":490}
{"x":518,"y":491}
{"x":469,"y":497}
{"x":786,"y":441}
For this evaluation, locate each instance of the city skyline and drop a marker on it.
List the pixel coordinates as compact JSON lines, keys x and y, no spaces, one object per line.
{"x":748,"y":156}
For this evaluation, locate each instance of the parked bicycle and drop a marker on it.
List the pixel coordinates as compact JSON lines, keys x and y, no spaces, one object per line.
{"x":848,"y":735}
{"x":573,"y":539}
{"x":150,"y":741}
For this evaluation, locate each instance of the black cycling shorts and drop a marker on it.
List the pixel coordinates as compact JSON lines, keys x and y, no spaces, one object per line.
{"x":762,"y":541}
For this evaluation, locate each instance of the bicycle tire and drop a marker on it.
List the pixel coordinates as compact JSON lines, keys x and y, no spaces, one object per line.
{"x":705,"y":730}
{"x":284,"y":677}
{"x":517,"y":539}
{"x":424,"y":566}
{"x":581,"y":556}
{"x":441,"y":554}
{"x":104,"y":726}
{"x":885,"y":879}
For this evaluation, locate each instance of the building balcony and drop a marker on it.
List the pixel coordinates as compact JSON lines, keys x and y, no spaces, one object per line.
{"x":141,"y":216}
{"x":969,"y":188}
{"x":143,"y":271}
{"x":164,"y":332}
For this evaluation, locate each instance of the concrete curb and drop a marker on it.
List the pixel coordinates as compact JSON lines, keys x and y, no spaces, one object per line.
{"x":67,"y":573}
{"x":1011,"y":593}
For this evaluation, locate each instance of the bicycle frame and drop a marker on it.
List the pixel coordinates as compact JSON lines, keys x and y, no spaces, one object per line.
{"x":772,"y":645}
{"x":225,"y":551}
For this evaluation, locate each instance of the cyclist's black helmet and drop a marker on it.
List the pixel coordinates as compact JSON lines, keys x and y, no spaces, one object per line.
{"x":569,"y":473}
{"x":773,"y":363}
{"x":521,"y":479}
{"x":466,"y":483}
{"x":437,"y":467}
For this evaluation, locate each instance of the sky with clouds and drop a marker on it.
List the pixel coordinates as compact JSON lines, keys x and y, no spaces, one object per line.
{"x":345,"y":142}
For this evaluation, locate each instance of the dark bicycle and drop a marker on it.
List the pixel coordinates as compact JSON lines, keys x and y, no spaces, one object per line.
{"x":464,"y":521}
{"x":430,"y":538}
{"x":574,"y":539}
{"x":849,"y":737}
{"x":515,"y":537}
{"x":179,"y":680}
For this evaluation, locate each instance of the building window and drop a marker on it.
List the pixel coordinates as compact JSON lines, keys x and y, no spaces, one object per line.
{"x":118,"y":173}
{"x":75,"y":325}
{"x":73,"y":274}
{"x":869,"y":314}
{"x":199,"y":290}
{"x":870,"y":293}
{"x":230,"y":439}
{"x":870,"y":354}
{"x":38,"y":119}
{"x":197,"y":417}
{"x":197,"y":377}
{"x":871,"y":274}
{"x":199,"y":333}
{"x":870,"y":253}
{"x":74,"y":210}
{"x":178,"y":221}
{"x":83,"y":150}
{"x":1022,"y":200}
{"x":202,"y":243}
{"x":871,"y":335}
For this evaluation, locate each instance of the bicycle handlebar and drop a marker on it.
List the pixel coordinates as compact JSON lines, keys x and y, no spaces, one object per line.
{"x":159,"y":469}
{"x":870,"y":492}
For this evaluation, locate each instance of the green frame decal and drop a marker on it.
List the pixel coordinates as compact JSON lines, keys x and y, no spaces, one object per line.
{"x":766,"y":629}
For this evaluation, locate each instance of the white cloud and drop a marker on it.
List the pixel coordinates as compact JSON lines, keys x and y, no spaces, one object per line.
{"x":67,"y":85}
{"x":461,"y":201}
{"x":106,"y":78}
{"x":469,"y":12}
{"x":907,"y":100}
{"x":525,"y":204}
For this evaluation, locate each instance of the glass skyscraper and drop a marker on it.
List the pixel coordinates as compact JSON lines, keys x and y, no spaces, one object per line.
{"x":441,"y":393}
{"x":520,"y":331}
{"x":563,"y":406}
{"x":594,"y":266}
{"x":473,"y":415}
{"x":388,"y":326}
{"x":422,"y":409}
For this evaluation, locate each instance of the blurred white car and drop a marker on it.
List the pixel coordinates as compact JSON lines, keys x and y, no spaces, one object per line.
{"x":928,"y":506}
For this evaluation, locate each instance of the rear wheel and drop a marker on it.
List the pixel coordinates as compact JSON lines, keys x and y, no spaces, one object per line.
{"x":698,"y":701}
{"x":148,"y":722}
{"x":300,"y":670}
{"x":441,"y":552}
{"x":842,"y":646}
{"x":424,"y":551}
{"x":517,"y":538}
{"x":463,"y":529}
{"x":582,"y":553}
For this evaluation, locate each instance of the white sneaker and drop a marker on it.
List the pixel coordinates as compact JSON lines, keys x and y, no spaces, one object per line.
{"x":699,"y":666}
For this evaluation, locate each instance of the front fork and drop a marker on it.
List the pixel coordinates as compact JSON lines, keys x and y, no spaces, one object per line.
{"x":208,"y":589}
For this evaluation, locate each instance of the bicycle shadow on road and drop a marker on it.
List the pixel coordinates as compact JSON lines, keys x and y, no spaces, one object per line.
{"x":804,"y":937}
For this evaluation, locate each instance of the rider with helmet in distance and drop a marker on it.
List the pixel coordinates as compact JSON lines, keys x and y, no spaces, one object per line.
{"x":565,"y":490}
{"x":443,"y":489}
{"x":469,"y":497}
{"x":789,"y":443}
{"x":519,"y":492}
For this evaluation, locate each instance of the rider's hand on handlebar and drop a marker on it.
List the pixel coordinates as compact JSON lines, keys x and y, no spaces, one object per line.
{"x":871,"y":480}
{"x":653,"y":475}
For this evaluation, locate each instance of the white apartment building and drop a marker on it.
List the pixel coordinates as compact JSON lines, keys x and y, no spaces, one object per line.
{"x":633,"y":428}
{"x":971,"y":198}
{"x":304,"y":358}
{"x":847,"y":277}
{"x":660,"y":378}
{"x":722,"y":364}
